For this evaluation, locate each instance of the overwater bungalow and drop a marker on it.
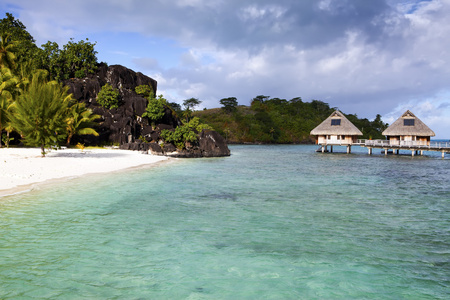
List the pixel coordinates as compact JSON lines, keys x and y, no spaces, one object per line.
{"x":336,"y":130}
{"x":408,"y":130}
{"x":407,"y":133}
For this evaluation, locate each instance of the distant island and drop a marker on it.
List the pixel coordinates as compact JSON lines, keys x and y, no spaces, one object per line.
{"x":278,"y":121}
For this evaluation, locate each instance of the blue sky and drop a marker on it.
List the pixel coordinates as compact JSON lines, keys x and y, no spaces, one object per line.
{"x":363,"y":57}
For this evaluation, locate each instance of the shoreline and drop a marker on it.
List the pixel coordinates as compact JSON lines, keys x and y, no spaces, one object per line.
{"x":23,"y":169}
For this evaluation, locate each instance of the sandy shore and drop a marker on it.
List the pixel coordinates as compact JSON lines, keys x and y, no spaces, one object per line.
{"x":20,"y":168}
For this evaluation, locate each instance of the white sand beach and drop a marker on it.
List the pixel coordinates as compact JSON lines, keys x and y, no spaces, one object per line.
{"x":21,"y":168}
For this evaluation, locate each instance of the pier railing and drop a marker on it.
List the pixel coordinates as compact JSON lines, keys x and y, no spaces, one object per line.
{"x":405,"y":144}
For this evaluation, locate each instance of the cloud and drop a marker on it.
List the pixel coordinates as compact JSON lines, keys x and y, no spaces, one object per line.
{"x":147,"y":63}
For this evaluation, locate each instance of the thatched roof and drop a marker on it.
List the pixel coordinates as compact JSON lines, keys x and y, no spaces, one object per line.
{"x":331,"y":127}
{"x":408,"y":124}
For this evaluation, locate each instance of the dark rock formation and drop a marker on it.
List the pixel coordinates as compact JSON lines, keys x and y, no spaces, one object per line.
{"x":210,"y":144}
{"x":124,"y":125}
{"x":118,"y":125}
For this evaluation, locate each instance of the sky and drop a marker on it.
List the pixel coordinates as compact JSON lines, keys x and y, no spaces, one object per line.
{"x":364,"y":57}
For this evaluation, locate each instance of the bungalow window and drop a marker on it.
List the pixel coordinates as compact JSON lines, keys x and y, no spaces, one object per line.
{"x":343,"y":137}
{"x":408,"y":122}
{"x":335,"y":122}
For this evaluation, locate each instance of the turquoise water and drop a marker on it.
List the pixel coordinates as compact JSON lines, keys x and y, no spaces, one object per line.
{"x":269,"y":222}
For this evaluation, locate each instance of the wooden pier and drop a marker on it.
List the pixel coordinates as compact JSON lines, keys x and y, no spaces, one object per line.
{"x":416,"y":147}
{"x":394,"y":147}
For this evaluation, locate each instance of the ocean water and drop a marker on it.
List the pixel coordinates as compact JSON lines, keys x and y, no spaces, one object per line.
{"x":269,"y":222}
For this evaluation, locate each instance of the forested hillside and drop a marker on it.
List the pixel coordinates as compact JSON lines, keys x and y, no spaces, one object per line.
{"x":274,"y":120}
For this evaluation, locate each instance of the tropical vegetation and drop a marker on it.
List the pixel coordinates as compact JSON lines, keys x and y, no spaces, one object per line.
{"x":187,"y":133}
{"x":39,"y":113}
{"x":33,"y":102}
{"x":275,"y":120}
{"x":108,"y":97}
{"x":79,"y":121}
{"x":155,"y":108}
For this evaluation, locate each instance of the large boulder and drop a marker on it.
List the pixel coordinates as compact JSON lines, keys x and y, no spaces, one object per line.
{"x":212,"y":144}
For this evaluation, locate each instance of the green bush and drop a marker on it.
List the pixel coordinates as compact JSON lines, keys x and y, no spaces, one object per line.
{"x":144,"y":90}
{"x":186,"y":133}
{"x":197,"y":126}
{"x":155,"y":108}
{"x":108,"y":97}
{"x":179,"y":136}
{"x":80,"y":74}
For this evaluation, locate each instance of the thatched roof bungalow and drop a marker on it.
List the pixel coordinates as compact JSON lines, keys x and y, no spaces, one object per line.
{"x":336,"y":130}
{"x":408,"y":130}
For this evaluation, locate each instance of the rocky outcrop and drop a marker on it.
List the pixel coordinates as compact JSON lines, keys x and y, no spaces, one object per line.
{"x":124,"y":125}
{"x":118,"y":125}
{"x":210,"y":144}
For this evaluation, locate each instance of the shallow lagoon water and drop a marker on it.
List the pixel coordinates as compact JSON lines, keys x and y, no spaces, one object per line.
{"x":272,"y":222}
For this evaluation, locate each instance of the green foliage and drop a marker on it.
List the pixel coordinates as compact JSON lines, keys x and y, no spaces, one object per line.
{"x":25,"y":47}
{"x":4,"y":109}
{"x":176,"y":109}
{"x":229,"y":104}
{"x":187,"y":114}
{"x":9,"y":84}
{"x":185,"y":133}
{"x":191,"y":103}
{"x":195,"y":124}
{"x":8,"y":48}
{"x":144,"y":90}
{"x":179,"y":136}
{"x":6,"y":139}
{"x":80,"y":121}
{"x":76,"y":59}
{"x":9,"y":88}
{"x":108,"y":97}
{"x":143,"y":139}
{"x":370,"y":129}
{"x":39,"y":113}
{"x":79,"y":59}
{"x":52,"y":59}
{"x":155,"y":110}
{"x":14,"y":27}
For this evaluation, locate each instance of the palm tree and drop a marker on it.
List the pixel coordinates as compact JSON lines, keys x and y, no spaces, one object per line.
{"x":26,"y":71}
{"x":187,"y":113}
{"x":9,"y":83}
{"x":7,"y":49}
{"x":8,"y":88}
{"x":39,"y":113}
{"x":4,"y":104}
{"x":79,"y":121}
